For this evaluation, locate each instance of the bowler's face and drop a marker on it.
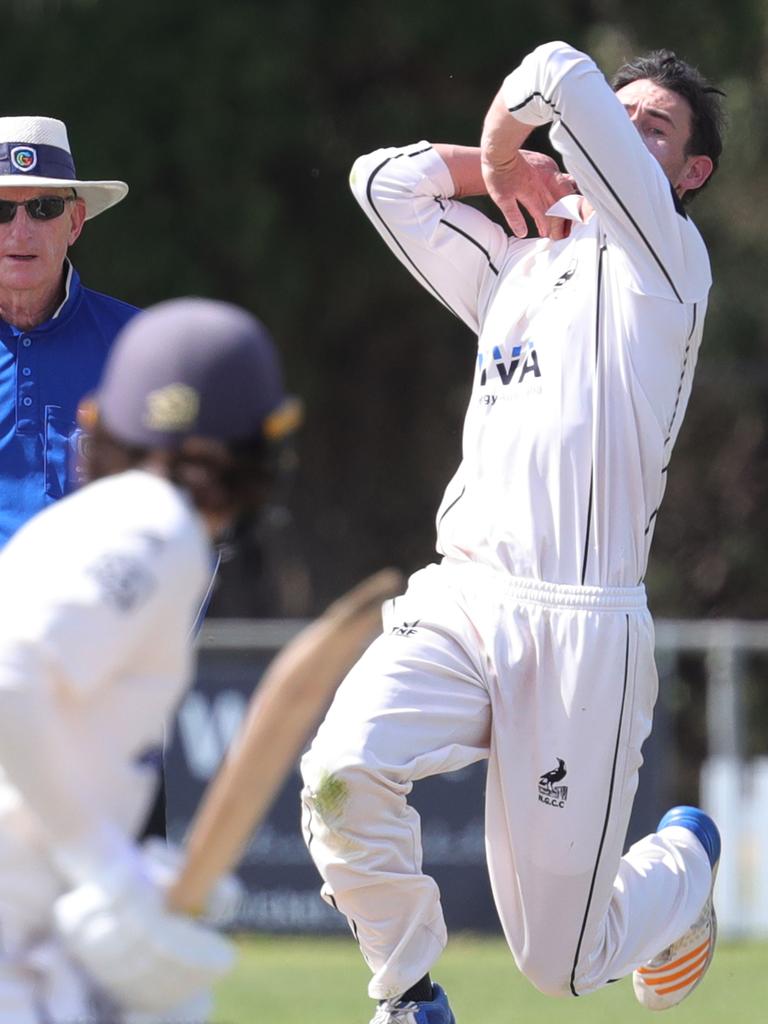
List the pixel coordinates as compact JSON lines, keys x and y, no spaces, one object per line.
{"x":663,"y":119}
{"x":32,"y":252}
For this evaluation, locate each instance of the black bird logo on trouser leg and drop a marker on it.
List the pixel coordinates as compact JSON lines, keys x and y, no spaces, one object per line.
{"x":548,"y":779}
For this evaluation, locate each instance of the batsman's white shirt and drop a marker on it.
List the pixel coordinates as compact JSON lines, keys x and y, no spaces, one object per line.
{"x":586,"y":347}
{"x":98,"y":595}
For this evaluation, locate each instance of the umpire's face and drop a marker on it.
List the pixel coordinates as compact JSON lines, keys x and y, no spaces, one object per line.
{"x":32,"y":251}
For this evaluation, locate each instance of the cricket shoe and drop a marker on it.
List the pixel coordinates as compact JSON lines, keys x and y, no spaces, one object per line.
{"x":675,"y":972}
{"x":435,"y":1011}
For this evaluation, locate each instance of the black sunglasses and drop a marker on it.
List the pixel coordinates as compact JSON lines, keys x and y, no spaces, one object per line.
{"x":39,"y":208}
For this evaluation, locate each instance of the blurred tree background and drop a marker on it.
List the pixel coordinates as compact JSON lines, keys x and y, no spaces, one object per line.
{"x":235,"y":124}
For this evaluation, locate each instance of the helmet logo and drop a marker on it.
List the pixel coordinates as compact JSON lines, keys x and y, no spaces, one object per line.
{"x":172,"y":408}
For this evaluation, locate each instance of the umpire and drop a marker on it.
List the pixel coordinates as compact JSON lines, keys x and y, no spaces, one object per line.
{"x":54,"y":333}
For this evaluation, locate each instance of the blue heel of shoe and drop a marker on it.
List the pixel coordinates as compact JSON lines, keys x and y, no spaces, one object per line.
{"x":702,"y":826}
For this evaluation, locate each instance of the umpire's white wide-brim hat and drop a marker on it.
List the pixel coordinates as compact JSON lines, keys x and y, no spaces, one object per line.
{"x":34,"y":151}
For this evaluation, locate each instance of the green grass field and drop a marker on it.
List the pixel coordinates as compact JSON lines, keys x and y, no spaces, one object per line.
{"x":323,"y":981}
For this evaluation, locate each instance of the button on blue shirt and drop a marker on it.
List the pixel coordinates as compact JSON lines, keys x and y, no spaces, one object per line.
{"x":44,"y":372}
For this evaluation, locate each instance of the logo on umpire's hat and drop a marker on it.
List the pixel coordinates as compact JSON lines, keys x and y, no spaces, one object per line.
{"x":172,"y":408}
{"x":24,"y":157}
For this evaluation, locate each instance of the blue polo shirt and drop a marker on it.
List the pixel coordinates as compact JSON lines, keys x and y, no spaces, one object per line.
{"x":43,"y":375}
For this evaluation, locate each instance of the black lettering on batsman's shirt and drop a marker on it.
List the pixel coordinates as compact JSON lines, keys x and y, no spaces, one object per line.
{"x":125,"y":580}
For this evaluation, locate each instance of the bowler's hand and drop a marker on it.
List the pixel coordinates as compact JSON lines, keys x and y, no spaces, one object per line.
{"x":530,"y":180}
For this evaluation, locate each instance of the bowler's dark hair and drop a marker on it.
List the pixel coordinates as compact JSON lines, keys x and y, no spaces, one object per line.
{"x":666,"y":69}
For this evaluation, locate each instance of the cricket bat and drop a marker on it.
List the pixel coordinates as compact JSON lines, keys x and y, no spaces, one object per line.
{"x":294,"y":692}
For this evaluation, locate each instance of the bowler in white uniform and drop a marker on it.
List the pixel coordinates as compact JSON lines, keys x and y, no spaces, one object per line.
{"x":530,"y":643}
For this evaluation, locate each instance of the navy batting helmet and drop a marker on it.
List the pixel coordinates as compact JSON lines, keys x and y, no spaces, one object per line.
{"x":194,"y":368}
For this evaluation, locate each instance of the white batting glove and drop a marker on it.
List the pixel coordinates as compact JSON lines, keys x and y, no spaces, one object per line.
{"x":144,"y":958}
{"x":163,"y":861}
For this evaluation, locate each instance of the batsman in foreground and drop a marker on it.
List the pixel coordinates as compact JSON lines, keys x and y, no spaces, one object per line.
{"x":98,"y":599}
{"x":530,"y":643}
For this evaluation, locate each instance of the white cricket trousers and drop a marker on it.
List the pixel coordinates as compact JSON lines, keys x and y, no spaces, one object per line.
{"x":555,"y":686}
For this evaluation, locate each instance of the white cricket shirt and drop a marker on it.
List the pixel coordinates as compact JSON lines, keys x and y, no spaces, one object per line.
{"x":98,"y":595}
{"x":586,"y":346}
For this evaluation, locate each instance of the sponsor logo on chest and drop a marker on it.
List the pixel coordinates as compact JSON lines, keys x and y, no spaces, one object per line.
{"x":516,"y":364}
{"x":521,"y":366}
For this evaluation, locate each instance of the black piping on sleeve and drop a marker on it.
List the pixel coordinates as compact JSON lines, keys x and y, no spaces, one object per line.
{"x":390,"y":232}
{"x":609,"y":186}
{"x":474,"y":241}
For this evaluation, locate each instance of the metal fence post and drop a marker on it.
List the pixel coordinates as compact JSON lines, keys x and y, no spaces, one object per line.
{"x":723,"y":771}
